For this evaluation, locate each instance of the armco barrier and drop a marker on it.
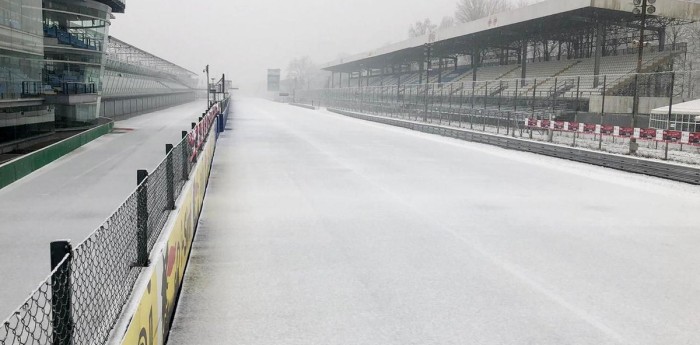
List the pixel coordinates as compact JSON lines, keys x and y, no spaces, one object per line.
{"x":147,"y":317}
{"x":630,"y":164}
{"x":25,"y":165}
{"x":307,"y":106}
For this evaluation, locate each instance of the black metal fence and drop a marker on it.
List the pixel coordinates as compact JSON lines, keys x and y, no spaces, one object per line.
{"x":544,"y":98}
{"x":582,"y":111}
{"x":82,"y":299}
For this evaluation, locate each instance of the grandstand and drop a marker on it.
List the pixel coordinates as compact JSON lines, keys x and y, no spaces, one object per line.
{"x":578,"y":50}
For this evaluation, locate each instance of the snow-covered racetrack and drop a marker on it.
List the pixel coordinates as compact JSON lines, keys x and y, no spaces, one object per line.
{"x":323,"y":229}
{"x":72,"y":196}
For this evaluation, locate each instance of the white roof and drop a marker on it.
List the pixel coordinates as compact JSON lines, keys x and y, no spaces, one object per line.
{"x":687,"y":108}
{"x":665,"y":8}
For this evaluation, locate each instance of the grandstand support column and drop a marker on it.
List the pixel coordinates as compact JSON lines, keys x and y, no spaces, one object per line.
{"x":440,"y":65}
{"x":640,"y":56}
{"x":340,"y":80}
{"x":420,"y":72}
{"x":662,"y":39}
{"x":598,"y":52}
{"x":523,"y":62}
{"x":332,"y":80}
{"x":475,"y":62}
{"x":602,"y":113}
{"x":398,"y":78}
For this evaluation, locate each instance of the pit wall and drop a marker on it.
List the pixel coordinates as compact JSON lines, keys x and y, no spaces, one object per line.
{"x":25,"y":165}
{"x":147,"y":317}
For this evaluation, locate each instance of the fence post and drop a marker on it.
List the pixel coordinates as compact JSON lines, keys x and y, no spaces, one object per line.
{"x":185,"y":169}
{"x":170,"y":177}
{"x":142,"y":219}
{"x":602,"y":112}
{"x":61,"y":295}
{"x":670,"y":112}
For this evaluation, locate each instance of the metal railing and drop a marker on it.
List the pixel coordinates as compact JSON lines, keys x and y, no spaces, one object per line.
{"x":82,"y":299}
{"x":598,"y":103}
{"x":630,"y":164}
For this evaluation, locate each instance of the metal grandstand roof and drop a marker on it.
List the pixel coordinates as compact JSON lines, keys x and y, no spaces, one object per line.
{"x":125,"y":53}
{"x":549,"y":18}
{"x":687,"y":108}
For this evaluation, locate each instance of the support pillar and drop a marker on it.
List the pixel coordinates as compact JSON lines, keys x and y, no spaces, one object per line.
{"x":475,"y":63}
{"x":662,"y":39}
{"x":598,"y":52}
{"x":523,"y":67}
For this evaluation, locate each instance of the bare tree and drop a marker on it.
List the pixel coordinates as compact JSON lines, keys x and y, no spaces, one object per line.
{"x":447,"y":22}
{"x":421,"y":28}
{"x":470,"y":10}
{"x":302,"y":71}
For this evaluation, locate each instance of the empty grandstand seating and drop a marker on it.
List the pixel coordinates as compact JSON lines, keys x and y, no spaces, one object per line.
{"x":559,"y":76}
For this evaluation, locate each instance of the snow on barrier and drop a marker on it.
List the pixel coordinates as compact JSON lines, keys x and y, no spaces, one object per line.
{"x":148,"y":315}
{"x":658,"y":135}
{"x":630,"y":164}
{"x":301,"y":105}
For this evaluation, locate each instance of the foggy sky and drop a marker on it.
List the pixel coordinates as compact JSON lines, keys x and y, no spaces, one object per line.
{"x":245,"y":38}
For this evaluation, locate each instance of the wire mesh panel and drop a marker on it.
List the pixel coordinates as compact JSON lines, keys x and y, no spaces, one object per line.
{"x":82,"y":299}
{"x":31,"y":323}
{"x":103,"y":272}
{"x":158,"y":201}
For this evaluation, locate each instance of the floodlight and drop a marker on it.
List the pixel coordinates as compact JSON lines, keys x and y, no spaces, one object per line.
{"x":651,"y":9}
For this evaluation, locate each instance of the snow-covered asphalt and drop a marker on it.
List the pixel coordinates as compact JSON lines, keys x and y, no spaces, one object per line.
{"x":323,"y":229}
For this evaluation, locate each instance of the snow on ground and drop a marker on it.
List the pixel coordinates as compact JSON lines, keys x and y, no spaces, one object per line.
{"x":323,"y":229}
{"x":678,"y":153}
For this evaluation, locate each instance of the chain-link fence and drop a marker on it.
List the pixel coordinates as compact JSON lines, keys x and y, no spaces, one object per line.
{"x":82,"y":299}
{"x":593,"y":104}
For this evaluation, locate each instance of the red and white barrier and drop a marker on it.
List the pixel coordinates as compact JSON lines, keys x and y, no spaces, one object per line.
{"x":660,"y":135}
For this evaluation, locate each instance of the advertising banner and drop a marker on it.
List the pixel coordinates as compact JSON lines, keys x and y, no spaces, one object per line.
{"x":659,"y":135}
{"x":685,"y":137}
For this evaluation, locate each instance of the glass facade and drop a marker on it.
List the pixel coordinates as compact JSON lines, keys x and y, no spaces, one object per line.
{"x":22,"y":114}
{"x":679,"y":122}
{"x":21,"y":48}
{"x":75,"y":38}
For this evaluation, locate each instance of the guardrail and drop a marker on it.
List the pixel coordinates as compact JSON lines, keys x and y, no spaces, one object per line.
{"x":25,"y":165}
{"x":83,"y":298}
{"x":304,"y":106}
{"x":629,"y":164}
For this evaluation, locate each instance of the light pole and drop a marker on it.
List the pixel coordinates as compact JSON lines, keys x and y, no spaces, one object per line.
{"x":206,"y":69}
{"x":642,"y":7}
